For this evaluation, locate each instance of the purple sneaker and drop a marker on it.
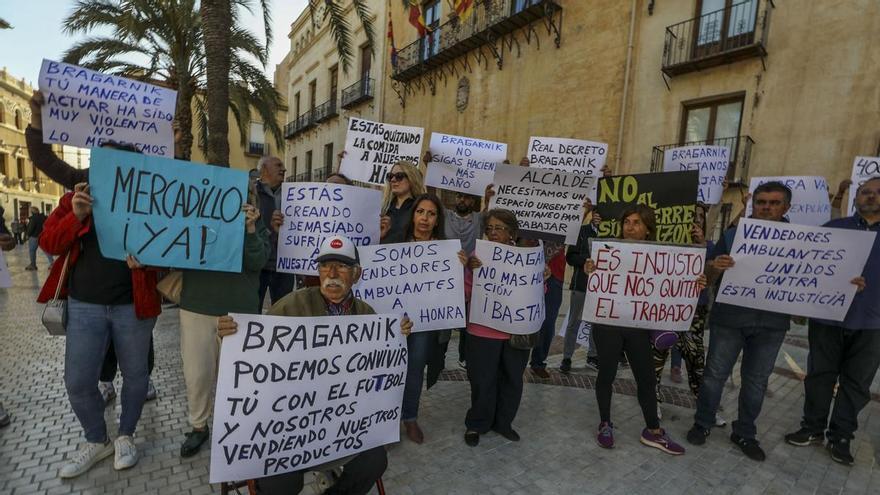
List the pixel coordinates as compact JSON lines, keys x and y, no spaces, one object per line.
{"x":661,"y":441}
{"x":605,"y":438}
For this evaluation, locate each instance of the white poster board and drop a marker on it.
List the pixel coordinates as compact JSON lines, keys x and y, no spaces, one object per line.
{"x":583,"y":331}
{"x":548,"y":203}
{"x":372,"y":148}
{"x":425,"y":280}
{"x":315,"y":210}
{"x":864,"y":168}
{"x":809,"y":198}
{"x":5,"y":277}
{"x":508,"y":289}
{"x":463,"y":164}
{"x":712,"y":163}
{"x":794,"y":269}
{"x":643,"y":285}
{"x":85,"y":108}
{"x":568,"y":155}
{"x":298,"y":392}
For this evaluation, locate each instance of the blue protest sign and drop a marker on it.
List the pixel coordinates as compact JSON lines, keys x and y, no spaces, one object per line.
{"x":168,"y":213}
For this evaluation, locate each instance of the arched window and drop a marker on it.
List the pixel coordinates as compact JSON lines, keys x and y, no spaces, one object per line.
{"x":18,"y":120}
{"x":2,"y":113}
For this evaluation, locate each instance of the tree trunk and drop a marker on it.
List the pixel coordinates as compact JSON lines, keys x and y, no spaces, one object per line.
{"x":184,"y":117}
{"x":216,"y":25}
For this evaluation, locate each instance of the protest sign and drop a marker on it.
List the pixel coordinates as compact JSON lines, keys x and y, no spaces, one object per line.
{"x":794,"y":269}
{"x":568,"y":155}
{"x":809,"y":198}
{"x":86,"y":108}
{"x":5,"y":277}
{"x":643,"y":284}
{"x":508,"y":289}
{"x":463,"y":164}
{"x":168,"y":213}
{"x":549,"y":204}
{"x":672,"y":195}
{"x":315,"y":210}
{"x":293,"y":393}
{"x":425,"y":280}
{"x":710,"y":161}
{"x":583,"y":331}
{"x":864,"y":168}
{"x":372,"y":148}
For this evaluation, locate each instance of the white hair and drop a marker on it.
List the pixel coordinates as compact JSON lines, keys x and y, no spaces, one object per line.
{"x":264,"y":160}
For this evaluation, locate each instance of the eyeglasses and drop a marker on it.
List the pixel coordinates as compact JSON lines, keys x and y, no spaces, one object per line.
{"x":328,"y":266}
{"x":496,"y":228}
{"x":394,"y":176}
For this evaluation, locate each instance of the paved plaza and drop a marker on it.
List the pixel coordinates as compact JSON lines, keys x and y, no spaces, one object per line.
{"x":557,"y":421}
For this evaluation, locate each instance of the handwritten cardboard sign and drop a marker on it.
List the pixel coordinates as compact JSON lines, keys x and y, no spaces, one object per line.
{"x":463,"y":164}
{"x":712,"y":163}
{"x":315,"y":210}
{"x":5,"y":277}
{"x":795,"y":269}
{"x":548,"y":204}
{"x":293,"y":393}
{"x":508,"y":290}
{"x":85,"y":108}
{"x":568,"y":155}
{"x":864,"y":168}
{"x":809,"y":198}
{"x":583,"y":330}
{"x":672,"y":195}
{"x":425,"y":280}
{"x":168,"y":213}
{"x":372,"y":148}
{"x":643,"y":285}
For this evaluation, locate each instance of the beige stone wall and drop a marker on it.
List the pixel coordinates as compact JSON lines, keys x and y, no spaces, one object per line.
{"x":14,"y":96}
{"x":239,"y":157}
{"x":312,"y":54}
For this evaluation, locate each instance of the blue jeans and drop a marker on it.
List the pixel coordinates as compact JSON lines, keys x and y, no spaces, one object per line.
{"x":418,"y":347}
{"x":279,"y":284}
{"x":759,"y":346}
{"x":33,"y":245}
{"x":552,"y":302}
{"x":89,"y":330}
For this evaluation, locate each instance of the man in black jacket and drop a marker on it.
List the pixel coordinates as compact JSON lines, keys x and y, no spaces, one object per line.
{"x":34,"y":229}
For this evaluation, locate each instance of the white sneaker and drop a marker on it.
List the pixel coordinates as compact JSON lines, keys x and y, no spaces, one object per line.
{"x":89,"y":455}
{"x":719,"y":421}
{"x":126,"y":453}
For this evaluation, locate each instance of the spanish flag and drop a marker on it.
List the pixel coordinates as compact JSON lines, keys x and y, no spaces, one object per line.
{"x":416,"y":18}
{"x":464,"y":8}
{"x":391,"y":42}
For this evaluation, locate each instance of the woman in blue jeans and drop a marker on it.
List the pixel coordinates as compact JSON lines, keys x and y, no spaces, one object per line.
{"x":423,"y":348}
{"x":107,"y":299}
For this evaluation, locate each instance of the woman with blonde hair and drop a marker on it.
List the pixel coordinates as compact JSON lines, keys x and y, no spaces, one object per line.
{"x":403,"y":183}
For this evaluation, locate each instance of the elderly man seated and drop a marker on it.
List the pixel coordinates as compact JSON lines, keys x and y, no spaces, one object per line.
{"x":338,"y":269}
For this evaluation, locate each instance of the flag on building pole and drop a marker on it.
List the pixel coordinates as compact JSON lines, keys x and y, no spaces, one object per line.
{"x":391,"y":41}
{"x":416,"y":18}
{"x":464,"y":8}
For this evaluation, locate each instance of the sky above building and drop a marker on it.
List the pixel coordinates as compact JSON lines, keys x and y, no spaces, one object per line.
{"x":37,"y":33}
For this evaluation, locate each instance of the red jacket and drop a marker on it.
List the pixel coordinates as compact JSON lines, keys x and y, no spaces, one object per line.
{"x":60,"y":237}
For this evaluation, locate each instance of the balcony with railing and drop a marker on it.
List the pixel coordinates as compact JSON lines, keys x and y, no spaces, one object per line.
{"x":314,"y":175}
{"x":326,"y":111}
{"x":728,"y":35}
{"x":301,"y":124}
{"x":489,"y":21}
{"x":259,"y":149}
{"x":358,"y":92}
{"x":740,"y":152}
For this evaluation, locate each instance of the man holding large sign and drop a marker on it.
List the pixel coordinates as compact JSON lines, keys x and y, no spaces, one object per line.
{"x":332,"y":378}
{"x":372,"y":148}
{"x":86,"y":108}
{"x":168,"y":213}
{"x":463,"y":164}
{"x":848,"y":352}
{"x":710,"y":161}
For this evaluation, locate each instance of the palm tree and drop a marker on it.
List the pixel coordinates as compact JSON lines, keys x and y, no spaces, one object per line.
{"x":217,"y":15}
{"x":163,"y":41}
{"x":4,"y":24}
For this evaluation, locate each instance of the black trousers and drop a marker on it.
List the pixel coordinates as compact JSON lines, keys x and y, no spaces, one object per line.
{"x":358,"y":476}
{"x":495,"y":372}
{"x":847,"y":357}
{"x":108,"y":369}
{"x":636,"y":343}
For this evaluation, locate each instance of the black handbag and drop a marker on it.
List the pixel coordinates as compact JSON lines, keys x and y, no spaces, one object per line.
{"x":524,"y":342}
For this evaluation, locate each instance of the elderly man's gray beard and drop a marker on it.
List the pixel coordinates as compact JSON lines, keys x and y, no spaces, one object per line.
{"x":333,"y":283}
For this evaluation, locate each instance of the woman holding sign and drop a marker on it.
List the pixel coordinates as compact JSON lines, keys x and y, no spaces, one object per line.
{"x":495,"y":368}
{"x":402,"y":184}
{"x":423,"y":348}
{"x":638,"y":223}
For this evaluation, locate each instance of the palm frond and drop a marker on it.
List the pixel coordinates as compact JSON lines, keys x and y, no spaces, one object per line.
{"x":341,"y":32}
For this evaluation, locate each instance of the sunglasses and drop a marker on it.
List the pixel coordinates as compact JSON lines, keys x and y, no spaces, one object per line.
{"x":394,"y":176}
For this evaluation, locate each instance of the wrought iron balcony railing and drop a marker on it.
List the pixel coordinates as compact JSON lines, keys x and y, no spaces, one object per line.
{"x":721,"y":37}
{"x":740,"y":151}
{"x":257,"y":149}
{"x":303,"y":177}
{"x":358,"y":92}
{"x":326,"y":111}
{"x":301,"y":124}
{"x":490,"y":20}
